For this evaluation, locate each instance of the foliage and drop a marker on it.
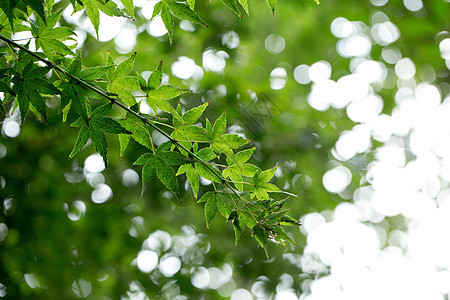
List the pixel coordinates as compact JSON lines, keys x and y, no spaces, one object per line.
{"x":241,"y":189}
{"x":60,"y":244}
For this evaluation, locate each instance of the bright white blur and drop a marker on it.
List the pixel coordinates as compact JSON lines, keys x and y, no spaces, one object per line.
{"x":363,"y":253}
{"x":357,"y":249}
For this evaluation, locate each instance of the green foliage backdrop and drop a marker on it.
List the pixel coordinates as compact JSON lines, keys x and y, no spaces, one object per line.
{"x":60,"y":244}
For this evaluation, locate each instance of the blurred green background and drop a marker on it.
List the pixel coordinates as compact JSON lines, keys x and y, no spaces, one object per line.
{"x":60,"y":244}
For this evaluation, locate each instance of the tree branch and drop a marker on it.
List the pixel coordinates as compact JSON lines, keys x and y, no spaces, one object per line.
{"x":113,"y":100}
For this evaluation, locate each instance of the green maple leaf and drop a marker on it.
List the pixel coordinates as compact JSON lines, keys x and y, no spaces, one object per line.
{"x":262,"y":236}
{"x":231,"y":4}
{"x":8,"y":7}
{"x":140,"y":132}
{"x":5,"y":25}
{"x":237,"y":167}
{"x":51,"y":39}
{"x":139,"y":129}
{"x":93,"y":8}
{"x":192,"y":177}
{"x":191,"y":4}
{"x":170,"y":8}
{"x":185,"y":133}
{"x":29,"y":87}
{"x":121,"y":84}
{"x":261,"y":185}
{"x":158,"y":164}
{"x":72,"y":92}
{"x":221,"y":142}
{"x":238,"y":225}
{"x":98,"y":124}
{"x":272,"y":4}
{"x":129,"y":6}
{"x":244,"y":4}
{"x":214,"y":202}
{"x":73,"y":95}
{"x":157,"y":94}
{"x":206,"y":154}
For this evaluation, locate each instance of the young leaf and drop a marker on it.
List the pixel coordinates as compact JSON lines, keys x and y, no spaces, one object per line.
{"x":75,"y":65}
{"x":157,"y":9}
{"x":206,"y":154}
{"x":279,"y":235}
{"x":165,"y":92}
{"x":154,"y":81}
{"x":124,"y":140}
{"x":182,"y":11}
{"x":37,"y":6}
{"x":173,"y":158}
{"x":140,"y":132}
{"x":93,"y":8}
{"x":231,"y":4}
{"x":210,"y":208}
{"x":29,"y":88}
{"x":156,"y":94}
{"x":233,"y":141}
{"x":248,"y":218}
{"x":191,"y":4}
{"x":289,"y":221}
{"x":220,"y":125}
{"x":72,"y":93}
{"x":205,"y":197}
{"x":191,"y":176}
{"x":167,"y":176}
{"x":261,"y":236}
{"x":92,"y":73}
{"x":51,"y":39}
{"x":109,"y":125}
{"x":121,"y":84}
{"x":102,"y":110}
{"x":261,"y":186}
{"x":83,"y":137}
{"x":36,"y":100}
{"x":266,"y":175}
{"x":192,"y":115}
{"x":224,"y":205}
{"x":238,"y":227}
{"x":244,"y":4}
{"x":193,"y":179}
{"x":244,"y":155}
{"x":167,"y":19}
{"x":209,"y":173}
{"x":129,"y":6}
{"x":99,"y":140}
{"x":272,"y":4}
